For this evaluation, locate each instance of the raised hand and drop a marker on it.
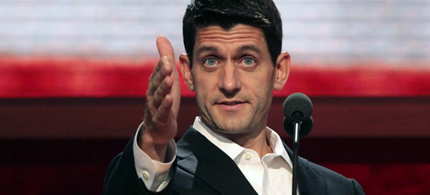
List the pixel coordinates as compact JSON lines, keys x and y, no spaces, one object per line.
{"x":162,"y":105}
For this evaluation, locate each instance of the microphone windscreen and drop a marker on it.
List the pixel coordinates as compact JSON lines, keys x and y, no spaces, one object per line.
{"x":297,"y":102}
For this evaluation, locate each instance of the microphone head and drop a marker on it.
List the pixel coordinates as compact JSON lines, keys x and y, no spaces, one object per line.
{"x":305,"y":127}
{"x":297,"y":103}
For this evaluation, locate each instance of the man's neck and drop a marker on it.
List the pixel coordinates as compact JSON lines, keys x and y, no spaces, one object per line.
{"x":257,"y":141}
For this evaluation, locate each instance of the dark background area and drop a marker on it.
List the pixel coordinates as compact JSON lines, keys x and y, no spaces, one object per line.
{"x":64,"y":145}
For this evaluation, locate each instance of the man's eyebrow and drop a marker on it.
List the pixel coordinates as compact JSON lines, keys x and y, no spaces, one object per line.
{"x":206,"y":48}
{"x":249,"y":47}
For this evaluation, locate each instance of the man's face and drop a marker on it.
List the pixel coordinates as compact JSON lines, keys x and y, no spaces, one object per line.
{"x":233,"y":77}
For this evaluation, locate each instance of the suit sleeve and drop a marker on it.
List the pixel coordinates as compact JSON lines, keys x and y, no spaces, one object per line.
{"x":121,"y":177}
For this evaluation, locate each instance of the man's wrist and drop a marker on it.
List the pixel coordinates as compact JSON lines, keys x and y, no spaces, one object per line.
{"x":153,"y":173}
{"x":151,"y":145}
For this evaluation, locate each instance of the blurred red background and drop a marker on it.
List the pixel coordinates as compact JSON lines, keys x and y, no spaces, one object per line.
{"x":64,"y":119}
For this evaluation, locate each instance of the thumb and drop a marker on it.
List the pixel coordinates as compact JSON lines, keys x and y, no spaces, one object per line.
{"x":165,"y":47}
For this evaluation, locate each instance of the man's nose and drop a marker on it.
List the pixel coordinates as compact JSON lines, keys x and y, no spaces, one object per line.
{"x":229,"y":82}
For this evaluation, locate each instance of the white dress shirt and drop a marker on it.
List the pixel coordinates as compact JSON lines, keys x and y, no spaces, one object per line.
{"x":271,"y":174}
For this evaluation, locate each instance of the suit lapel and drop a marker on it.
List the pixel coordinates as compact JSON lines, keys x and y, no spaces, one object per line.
{"x":207,"y":162}
{"x":311,"y":182}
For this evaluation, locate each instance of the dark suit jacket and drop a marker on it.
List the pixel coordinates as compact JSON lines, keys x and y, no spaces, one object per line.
{"x":201,"y":168}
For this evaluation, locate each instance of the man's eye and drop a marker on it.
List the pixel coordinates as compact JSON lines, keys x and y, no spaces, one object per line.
{"x":248,"y":62}
{"x":210,"y":62}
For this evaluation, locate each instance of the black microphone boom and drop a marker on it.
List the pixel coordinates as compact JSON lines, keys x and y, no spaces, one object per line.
{"x":305,"y":127}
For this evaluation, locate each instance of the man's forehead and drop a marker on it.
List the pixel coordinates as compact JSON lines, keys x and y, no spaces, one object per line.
{"x":238,"y":32}
{"x":240,"y":49}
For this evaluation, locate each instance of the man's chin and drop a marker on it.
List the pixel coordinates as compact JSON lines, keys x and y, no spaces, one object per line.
{"x":229,"y":125}
{"x":231,"y":130}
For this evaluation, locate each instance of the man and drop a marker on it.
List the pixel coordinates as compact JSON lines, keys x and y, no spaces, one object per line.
{"x":234,"y":63}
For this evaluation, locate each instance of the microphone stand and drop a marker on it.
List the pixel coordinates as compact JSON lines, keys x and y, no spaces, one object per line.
{"x":297,"y":117}
{"x":299,"y":107}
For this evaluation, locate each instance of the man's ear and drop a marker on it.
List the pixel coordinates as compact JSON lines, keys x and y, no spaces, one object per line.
{"x":282,"y":68}
{"x":184,"y":63}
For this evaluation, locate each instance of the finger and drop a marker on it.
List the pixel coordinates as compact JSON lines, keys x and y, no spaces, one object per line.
{"x":165,"y":70}
{"x":161,"y":92}
{"x":164,"y":110}
{"x":158,"y":66}
{"x":158,"y":77}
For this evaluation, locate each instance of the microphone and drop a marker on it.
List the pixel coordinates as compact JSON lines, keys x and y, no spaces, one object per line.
{"x":298,"y":123}
{"x":298,"y":106}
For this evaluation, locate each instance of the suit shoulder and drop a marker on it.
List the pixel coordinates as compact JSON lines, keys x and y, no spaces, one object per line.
{"x":335,"y":181}
{"x":325,"y":171}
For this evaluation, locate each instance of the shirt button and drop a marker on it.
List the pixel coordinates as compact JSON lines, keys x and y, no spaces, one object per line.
{"x":145,"y":175}
{"x":248,"y":156}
